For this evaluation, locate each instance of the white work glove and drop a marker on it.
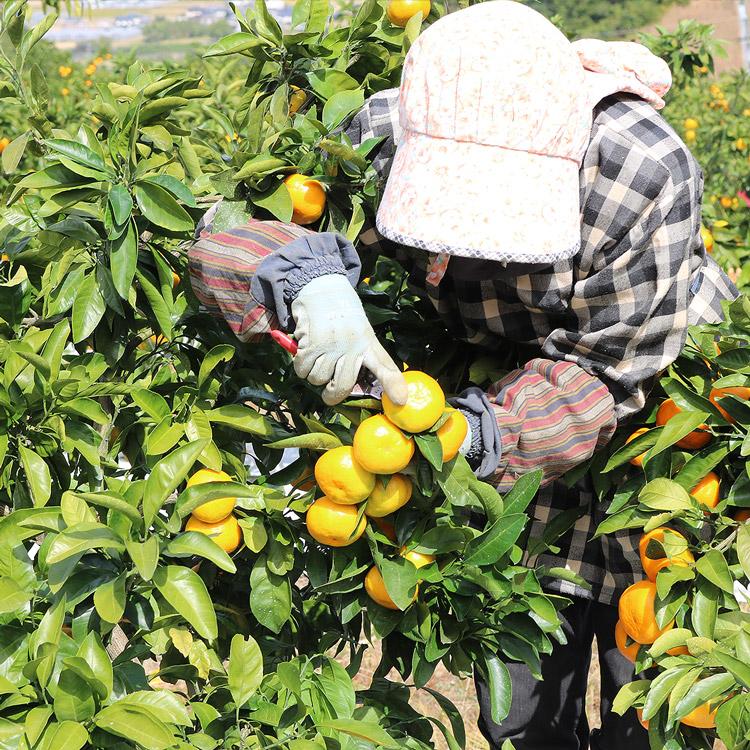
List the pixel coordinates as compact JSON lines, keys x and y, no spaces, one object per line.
{"x":335,"y":340}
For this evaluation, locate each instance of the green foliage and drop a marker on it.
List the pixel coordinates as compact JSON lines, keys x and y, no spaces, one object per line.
{"x":603,"y":19}
{"x":703,"y":599}
{"x":118,"y":628}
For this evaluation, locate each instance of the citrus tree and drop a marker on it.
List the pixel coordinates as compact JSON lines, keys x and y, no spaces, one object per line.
{"x":683,"y":479}
{"x":160,"y":587}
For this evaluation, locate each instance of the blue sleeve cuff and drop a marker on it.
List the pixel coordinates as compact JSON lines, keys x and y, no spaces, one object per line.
{"x":282,"y":275}
{"x":486,"y":447}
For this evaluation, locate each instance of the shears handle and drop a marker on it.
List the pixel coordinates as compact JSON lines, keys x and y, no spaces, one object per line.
{"x":285,"y":341}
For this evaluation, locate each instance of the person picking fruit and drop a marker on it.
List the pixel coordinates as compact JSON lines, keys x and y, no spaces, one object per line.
{"x":537,"y":199}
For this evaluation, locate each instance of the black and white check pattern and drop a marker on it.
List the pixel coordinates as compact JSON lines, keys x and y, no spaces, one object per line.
{"x":619,"y":309}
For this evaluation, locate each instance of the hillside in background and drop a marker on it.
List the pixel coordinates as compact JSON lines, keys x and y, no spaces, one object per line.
{"x":604,"y":18}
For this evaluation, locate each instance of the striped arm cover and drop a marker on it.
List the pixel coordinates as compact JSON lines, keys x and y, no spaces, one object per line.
{"x":551,"y":416}
{"x":222,"y":267}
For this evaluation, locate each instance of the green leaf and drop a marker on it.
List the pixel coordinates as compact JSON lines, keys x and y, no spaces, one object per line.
{"x":135,"y":725}
{"x":739,"y":669}
{"x":733,"y":720}
{"x":241,"y":418}
{"x":65,"y":735}
{"x":705,"y":609}
{"x":112,"y":502}
{"x":109,"y":599}
{"x":152,"y":404}
{"x":167,"y":475}
{"x":245,"y":669}
{"x":191,"y":543}
{"x":74,"y":698}
{"x":522,"y":492}
{"x":678,"y":427}
{"x":430,"y":447}
{"x":277,"y":202}
{"x":37,"y":476}
{"x":15,"y":297}
{"x":88,"y":308}
{"x":340,"y":106}
{"x":489,"y":547}
{"x":81,"y":538}
{"x":743,"y":548}
{"x":314,"y":441}
{"x":400,"y":579}
{"x":499,"y":686}
{"x":92,"y":651}
{"x":187,"y":594}
{"x":326,"y":82}
{"x":12,"y":596}
{"x":713,"y":567}
{"x":235,"y":43}
{"x":13,"y":152}
{"x":660,"y":689}
{"x":664,"y":494}
{"x":161,"y":209}
{"x":368,"y":731}
{"x":218,"y":354}
{"x":270,"y":596}
{"x":78,"y":153}
{"x":704,"y":691}
{"x":628,"y":695}
{"x":145,"y":556}
{"x":669,"y":640}
{"x":121,"y":203}
{"x":178,"y":189}
{"x":123,"y":259}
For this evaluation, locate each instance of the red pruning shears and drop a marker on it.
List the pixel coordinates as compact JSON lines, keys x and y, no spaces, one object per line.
{"x":285,"y":341}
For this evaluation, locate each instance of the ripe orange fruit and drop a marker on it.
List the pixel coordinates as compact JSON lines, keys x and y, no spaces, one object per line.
{"x":175,"y":279}
{"x":226,"y":532}
{"x":621,"y":640}
{"x":638,"y":460}
{"x":424,"y":406}
{"x":696,"y":440}
{"x":706,"y":492}
{"x":708,"y":239}
{"x":739,"y":391}
{"x":3,"y":143}
{"x":296,"y":99}
{"x":417,"y":559}
{"x":375,"y":588}
{"x":333,"y":524}
{"x":691,"y":123}
{"x":651,"y":566}
{"x":308,"y":198}
{"x":637,"y":615}
{"x":341,"y":478}
{"x":742,"y":515}
{"x":639,"y":712}
{"x":380,"y":447}
{"x":400,"y":11}
{"x":451,"y":433}
{"x":386,"y":500}
{"x":214,"y":510}
{"x":701,"y":718}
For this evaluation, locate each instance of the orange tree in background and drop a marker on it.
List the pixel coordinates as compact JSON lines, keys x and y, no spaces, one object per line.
{"x":153,"y":592}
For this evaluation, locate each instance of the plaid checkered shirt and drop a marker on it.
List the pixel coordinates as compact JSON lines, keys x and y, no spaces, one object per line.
{"x":598,"y":328}
{"x":619,"y":310}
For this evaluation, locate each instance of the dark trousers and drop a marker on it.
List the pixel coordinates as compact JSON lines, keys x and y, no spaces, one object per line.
{"x":551,"y":714}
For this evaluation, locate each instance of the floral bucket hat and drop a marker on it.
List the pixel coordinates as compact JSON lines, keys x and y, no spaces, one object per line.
{"x":495,"y":114}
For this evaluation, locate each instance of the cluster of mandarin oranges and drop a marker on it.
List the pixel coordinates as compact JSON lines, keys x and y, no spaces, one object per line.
{"x":663,"y":547}
{"x":366,"y":480}
{"x":215,"y":518}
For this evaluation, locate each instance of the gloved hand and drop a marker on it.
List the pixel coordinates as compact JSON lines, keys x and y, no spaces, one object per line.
{"x":336,"y":340}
